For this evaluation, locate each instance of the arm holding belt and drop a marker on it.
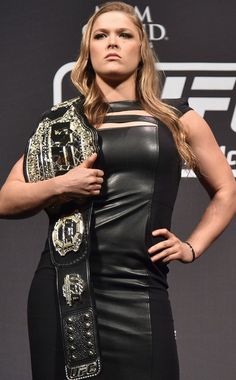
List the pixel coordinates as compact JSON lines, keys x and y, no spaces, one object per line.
{"x":63,"y":140}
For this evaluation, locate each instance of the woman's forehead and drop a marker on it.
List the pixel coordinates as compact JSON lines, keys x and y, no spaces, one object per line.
{"x":113,"y":20}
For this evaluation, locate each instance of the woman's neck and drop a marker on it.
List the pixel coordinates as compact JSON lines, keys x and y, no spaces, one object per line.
{"x":116,"y":91}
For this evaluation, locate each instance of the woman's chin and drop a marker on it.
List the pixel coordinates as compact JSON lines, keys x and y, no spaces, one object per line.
{"x":116,"y":76}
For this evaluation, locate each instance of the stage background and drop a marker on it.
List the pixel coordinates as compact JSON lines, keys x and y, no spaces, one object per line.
{"x":38,"y":38}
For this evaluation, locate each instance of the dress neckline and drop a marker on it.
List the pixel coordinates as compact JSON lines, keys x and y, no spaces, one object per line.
{"x":124,"y":105}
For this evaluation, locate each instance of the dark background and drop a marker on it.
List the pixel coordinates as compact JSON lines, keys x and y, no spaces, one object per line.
{"x":36,"y":39}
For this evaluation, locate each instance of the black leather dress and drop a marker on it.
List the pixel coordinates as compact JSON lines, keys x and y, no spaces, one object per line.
{"x":136,"y":333}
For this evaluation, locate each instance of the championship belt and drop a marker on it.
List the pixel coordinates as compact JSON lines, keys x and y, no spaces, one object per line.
{"x":62,"y":141}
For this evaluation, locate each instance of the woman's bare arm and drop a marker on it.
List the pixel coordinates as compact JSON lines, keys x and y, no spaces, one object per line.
{"x":216,"y":176}
{"x":21,"y":199}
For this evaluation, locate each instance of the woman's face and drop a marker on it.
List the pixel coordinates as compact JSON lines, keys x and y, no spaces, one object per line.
{"x":115,"y":46}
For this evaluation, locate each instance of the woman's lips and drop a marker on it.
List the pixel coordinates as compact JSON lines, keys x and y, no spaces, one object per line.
{"x":111,"y":55}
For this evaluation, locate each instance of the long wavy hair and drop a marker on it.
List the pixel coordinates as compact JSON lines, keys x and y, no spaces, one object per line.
{"x":148,"y":82}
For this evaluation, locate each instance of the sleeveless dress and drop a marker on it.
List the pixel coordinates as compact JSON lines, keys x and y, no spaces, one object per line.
{"x":135,"y":324}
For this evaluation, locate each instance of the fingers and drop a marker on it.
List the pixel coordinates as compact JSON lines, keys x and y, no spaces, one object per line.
{"x":171,"y":258}
{"x":171,"y":240}
{"x":95,"y":185}
{"x":168,"y":250}
{"x":84,"y":179}
{"x":88,"y":163}
{"x":164,"y":255}
{"x":162,"y":232}
{"x":96,"y":178}
{"x":95,"y":175}
{"x":92,"y":176}
{"x":99,"y":180}
{"x":95,"y":192}
{"x":171,"y":249}
{"x":98,"y":173}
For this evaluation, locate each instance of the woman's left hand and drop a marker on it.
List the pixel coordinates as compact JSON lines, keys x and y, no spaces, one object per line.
{"x":170,"y":249}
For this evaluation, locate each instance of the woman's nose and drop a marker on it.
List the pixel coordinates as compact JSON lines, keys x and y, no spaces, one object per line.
{"x":113,"y":42}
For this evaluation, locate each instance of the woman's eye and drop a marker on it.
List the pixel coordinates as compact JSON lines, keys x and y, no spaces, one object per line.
{"x":125,"y":35}
{"x":99,"y":36}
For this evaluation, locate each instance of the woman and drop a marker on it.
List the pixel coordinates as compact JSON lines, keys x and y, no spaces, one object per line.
{"x":108,"y":315}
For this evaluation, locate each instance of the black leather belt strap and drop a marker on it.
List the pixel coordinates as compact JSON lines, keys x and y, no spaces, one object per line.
{"x":63,"y":139}
{"x":75,"y":294}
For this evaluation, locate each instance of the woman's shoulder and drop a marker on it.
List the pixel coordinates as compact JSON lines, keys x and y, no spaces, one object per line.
{"x":181,"y":104}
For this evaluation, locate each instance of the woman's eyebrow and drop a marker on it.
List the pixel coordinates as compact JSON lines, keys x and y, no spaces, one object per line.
{"x":107,"y":30}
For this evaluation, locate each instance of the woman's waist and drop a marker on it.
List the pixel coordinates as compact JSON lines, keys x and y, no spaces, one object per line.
{"x":116,"y":278}
{"x":106,"y":266}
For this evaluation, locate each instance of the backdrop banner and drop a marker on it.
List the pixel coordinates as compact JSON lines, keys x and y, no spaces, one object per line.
{"x":195,"y":44}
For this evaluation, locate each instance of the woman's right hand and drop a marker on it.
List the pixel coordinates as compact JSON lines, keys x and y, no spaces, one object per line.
{"x":22,"y":199}
{"x":83,"y":180}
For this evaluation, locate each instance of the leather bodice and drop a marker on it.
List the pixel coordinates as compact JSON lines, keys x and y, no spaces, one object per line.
{"x":142,"y":172}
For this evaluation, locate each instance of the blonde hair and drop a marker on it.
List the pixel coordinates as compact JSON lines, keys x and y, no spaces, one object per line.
{"x":148,"y":82}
